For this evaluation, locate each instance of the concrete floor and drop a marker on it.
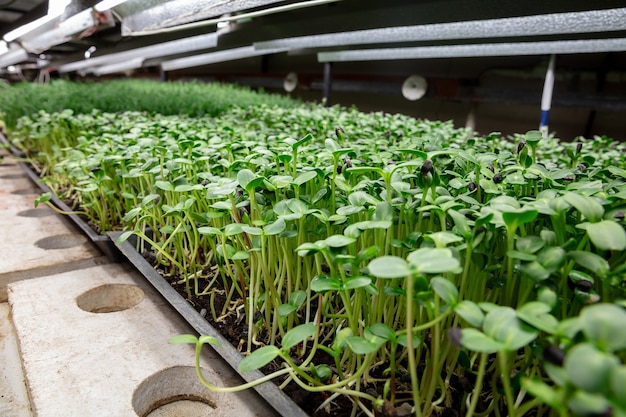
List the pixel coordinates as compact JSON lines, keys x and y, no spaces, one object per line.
{"x":82,"y":336}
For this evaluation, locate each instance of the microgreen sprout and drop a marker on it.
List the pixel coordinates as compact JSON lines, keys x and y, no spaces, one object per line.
{"x":372,"y":249}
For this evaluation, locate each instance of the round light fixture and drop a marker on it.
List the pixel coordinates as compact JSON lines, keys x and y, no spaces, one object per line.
{"x":291,"y":82}
{"x":414,"y":87}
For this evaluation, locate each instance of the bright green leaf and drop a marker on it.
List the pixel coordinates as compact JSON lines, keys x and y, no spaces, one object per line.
{"x":259,"y":358}
{"x":586,"y":205}
{"x":297,"y":335}
{"x":164,"y":185}
{"x":470,"y":312}
{"x":477,"y":341}
{"x":360,"y":346}
{"x":514,"y":219}
{"x":605,"y":325}
{"x":389,"y":267}
{"x":286,"y":309}
{"x":446,"y":290}
{"x":588,"y":368}
{"x":323,"y":283}
{"x":434,"y":261}
{"x":607,"y":235}
{"x":244,"y":177}
{"x":382,"y":330}
{"x":356,"y":282}
{"x":544,"y":392}
{"x":535,"y":271}
{"x":586,"y":404}
{"x":338,"y":241}
{"x":124,"y":236}
{"x":590,"y":261}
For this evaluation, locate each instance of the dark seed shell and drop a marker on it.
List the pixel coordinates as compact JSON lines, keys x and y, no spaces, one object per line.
{"x":554,"y":355}
{"x":455,"y":336}
{"x":584,"y":285}
{"x":427,"y":167}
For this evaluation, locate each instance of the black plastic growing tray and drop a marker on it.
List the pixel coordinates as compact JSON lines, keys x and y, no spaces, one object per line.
{"x":268,"y":391}
{"x":102,"y":242}
{"x":14,"y":151}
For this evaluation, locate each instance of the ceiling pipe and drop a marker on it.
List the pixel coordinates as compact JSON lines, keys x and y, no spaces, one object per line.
{"x":215,"y":57}
{"x":231,"y":18}
{"x":547,"y":24}
{"x":14,"y":56}
{"x":178,"y":46}
{"x":477,"y":50}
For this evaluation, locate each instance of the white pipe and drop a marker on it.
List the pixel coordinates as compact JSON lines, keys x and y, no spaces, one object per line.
{"x":548,"y":24}
{"x":250,"y":15}
{"x":546,"y":98}
{"x":582,"y":46}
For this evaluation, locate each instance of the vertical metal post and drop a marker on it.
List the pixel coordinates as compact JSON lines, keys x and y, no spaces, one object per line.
{"x":546,"y":98}
{"x":600,"y":83}
{"x":328,"y":81}
{"x":470,"y":120}
{"x":164,"y":75}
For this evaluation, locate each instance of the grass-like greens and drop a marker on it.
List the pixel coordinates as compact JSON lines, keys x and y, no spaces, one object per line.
{"x":171,"y":98}
{"x":411,"y":253}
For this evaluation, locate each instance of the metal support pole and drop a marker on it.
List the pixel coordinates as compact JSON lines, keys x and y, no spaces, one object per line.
{"x":600,"y":83}
{"x":328,"y":81}
{"x":470,"y":120}
{"x":164,"y":75}
{"x":546,"y":98}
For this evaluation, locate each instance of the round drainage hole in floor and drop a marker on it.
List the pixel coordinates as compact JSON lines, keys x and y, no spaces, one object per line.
{"x":183,"y":407}
{"x":110,"y":298}
{"x":175,"y":391}
{"x":36,"y":212}
{"x":60,"y":241}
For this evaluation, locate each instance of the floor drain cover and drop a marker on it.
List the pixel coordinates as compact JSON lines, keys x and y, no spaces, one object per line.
{"x":36,"y":212}
{"x":25,"y":191}
{"x":109,"y":298}
{"x":60,"y":242}
{"x":172,"y":392}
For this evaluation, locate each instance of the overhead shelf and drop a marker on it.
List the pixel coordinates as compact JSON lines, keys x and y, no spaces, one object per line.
{"x":174,"y":47}
{"x":477,"y":50}
{"x":548,"y":24}
{"x":175,"y":40}
{"x":214,"y":57}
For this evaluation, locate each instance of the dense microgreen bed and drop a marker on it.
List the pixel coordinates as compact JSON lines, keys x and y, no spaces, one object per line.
{"x":400,"y":264}
{"x":172,"y":98}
